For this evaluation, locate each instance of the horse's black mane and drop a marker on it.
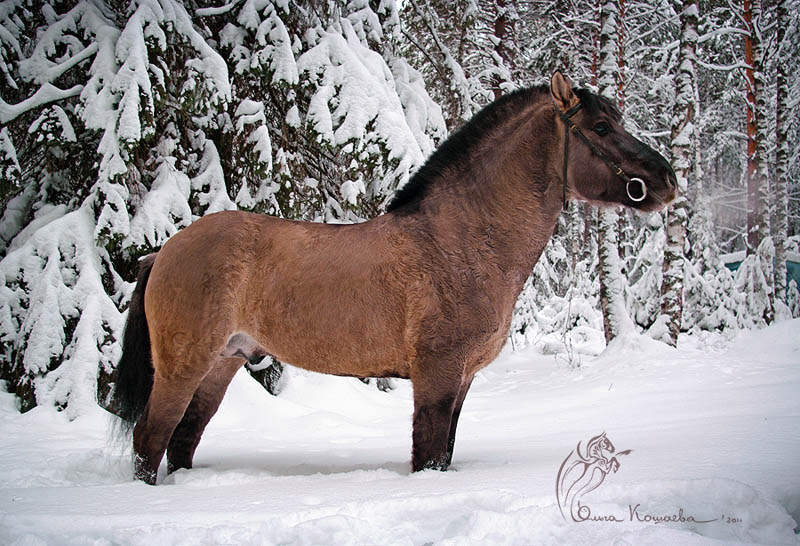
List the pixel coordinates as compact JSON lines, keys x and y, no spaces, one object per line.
{"x":460,"y":145}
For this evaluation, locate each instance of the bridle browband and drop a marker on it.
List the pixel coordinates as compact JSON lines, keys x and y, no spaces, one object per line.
{"x":569,"y":126}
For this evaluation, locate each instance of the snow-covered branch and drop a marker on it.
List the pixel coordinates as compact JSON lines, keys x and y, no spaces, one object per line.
{"x":46,"y":94}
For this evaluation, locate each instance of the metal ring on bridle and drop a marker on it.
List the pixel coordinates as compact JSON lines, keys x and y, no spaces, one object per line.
{"x":643,"y":186}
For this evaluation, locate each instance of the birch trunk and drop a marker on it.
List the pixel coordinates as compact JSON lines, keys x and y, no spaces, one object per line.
{"x":682,"y":141}
{"x":780,"y":221}
{"x":616,"y":320}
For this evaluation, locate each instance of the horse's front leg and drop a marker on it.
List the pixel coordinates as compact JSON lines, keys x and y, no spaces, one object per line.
{"x":436,"y":392}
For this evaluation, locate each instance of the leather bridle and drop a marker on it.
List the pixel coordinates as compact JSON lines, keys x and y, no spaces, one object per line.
{"x":570,"y":127}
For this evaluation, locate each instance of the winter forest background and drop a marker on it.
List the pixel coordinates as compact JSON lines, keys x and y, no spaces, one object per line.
{"x":123,"y":121}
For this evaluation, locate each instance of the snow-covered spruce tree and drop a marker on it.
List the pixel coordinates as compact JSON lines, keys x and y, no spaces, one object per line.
{"x":58,"y":303}
{"x":708,"y":302}
{"x":12,"y":39}
{"x":793,"y":298}
{"x":144,"y":94}
{"x":10,"y":172}
{"x":381,"y":31}
{"x":682,"y":146}
{"x":442,"y":39}
{"x":121,"y":122}
{"x":554,"y":298}
{"x":753,"y":288}
{"x":364,"y":119}
{"x":336,"y":117}
{"x":644,"y":273}
{"x":27,"y":87}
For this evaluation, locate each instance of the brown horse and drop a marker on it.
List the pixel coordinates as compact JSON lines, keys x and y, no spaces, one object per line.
{"x":423,"y":292}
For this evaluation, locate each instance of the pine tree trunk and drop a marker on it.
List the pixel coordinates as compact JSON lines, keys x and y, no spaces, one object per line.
{"x":682,"y":141}
{"x":595,"y":48}
{"x":757,"y":175}
{"x":621,"y":59}
{"x":612,"y":298}
{"x":780,"y":221}
{"x":757,"y":219}
{"x":503,"y":34}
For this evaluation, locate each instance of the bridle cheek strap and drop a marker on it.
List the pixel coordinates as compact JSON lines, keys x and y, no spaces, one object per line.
{"x":565,"y":116}
{"x":569,"y":126}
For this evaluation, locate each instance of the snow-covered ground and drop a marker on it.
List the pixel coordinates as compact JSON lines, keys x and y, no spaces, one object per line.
{"x":714,"y":429}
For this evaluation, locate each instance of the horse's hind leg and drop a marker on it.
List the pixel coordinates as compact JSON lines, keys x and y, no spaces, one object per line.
{"x":177,"y":375}
{"x":165,"y":408}
{"x":204,"y":405}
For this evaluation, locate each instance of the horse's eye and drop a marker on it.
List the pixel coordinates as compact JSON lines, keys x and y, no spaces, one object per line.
{"x":602,"y":128}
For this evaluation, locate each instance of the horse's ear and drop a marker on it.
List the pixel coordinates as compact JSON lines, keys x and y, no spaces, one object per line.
{"x":561,"y":90}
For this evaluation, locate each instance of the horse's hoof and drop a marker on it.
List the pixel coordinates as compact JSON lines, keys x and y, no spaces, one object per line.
{"x":439,"y":463}
{"x":141,"y":471}
{"x":147,"y":477}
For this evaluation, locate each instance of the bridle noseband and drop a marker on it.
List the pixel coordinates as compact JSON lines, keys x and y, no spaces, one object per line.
{"x":569,"y":126}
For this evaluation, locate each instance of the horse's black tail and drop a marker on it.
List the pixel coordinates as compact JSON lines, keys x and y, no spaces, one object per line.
{"x":134,"y":374}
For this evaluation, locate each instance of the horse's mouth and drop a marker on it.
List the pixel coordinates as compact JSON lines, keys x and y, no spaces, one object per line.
{"x":667,"y":195}
{"x":671,"y":183}
{"x":659,"y":198}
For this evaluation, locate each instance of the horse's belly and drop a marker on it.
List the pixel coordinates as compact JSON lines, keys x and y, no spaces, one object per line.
{"x":336,"y":328}
{"x":350,"y":353}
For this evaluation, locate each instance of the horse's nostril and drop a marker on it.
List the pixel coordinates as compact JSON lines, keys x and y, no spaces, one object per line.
{"x":672,"y":180}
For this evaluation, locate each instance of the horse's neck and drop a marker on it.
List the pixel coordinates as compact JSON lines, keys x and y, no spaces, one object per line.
{"x":509,"y":203}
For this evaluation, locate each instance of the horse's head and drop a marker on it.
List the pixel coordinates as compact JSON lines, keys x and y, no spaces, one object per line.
{"x":606,"y":165}
{"x":598,"y":446}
